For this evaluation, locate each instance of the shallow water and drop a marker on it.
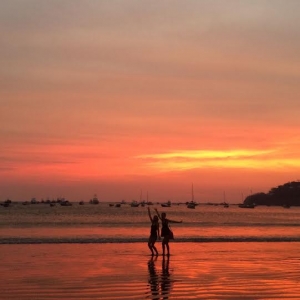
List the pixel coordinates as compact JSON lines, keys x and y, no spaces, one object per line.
{"x":100,"y":252}
{"x":124,"y":271}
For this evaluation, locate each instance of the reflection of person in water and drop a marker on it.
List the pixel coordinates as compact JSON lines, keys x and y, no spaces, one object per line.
{"x":154,"y":233}
{"x":165,"y":279}
{"x":153,"y":278}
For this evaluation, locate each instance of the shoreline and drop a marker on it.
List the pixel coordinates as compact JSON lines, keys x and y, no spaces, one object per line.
{"x":128,"y":271}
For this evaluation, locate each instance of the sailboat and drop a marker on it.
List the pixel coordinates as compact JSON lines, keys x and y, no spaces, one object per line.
{"x":94,"y":200}
{"x":147,"y":201}
{"x":192,"y":204}
{"x":142,"y":202}
{"x":134,"y":203}
{"x":225,"y":204}
{"x":168,"y":204}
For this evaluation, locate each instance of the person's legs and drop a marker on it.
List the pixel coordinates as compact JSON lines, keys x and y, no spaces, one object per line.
{"x":150,"y":245}
{"x":166,"y":241}
{"x":168,"y":248}
{"x":153,"y":247}
{"x":163,"y":246}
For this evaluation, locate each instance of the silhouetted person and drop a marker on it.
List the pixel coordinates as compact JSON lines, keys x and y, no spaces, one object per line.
{"x":154,"y":233}
{"x":166,"y":232}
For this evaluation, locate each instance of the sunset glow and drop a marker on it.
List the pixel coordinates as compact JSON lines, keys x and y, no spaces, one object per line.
{"x":111,"y":97}
{"x":246,"y":159}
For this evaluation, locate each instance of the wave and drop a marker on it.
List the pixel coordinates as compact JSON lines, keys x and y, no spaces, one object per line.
{"x":83,"y":240}
{"x":85,"y":224}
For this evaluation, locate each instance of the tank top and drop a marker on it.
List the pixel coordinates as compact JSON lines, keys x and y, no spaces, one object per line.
{"x":153,"y":231}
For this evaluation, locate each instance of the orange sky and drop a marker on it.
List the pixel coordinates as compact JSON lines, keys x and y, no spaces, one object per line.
{"x":115,"y":97}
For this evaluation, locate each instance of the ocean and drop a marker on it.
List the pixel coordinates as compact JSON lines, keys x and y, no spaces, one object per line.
{"x":40,"y":223}
{"x":100,"y":252}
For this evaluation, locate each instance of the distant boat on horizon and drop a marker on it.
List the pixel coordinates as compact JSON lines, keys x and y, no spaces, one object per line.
{"x":225,"y":204}
{"x":94,"y":200}
{"x":134,"y":203}
{"x":192,"y":204}
{"x":246,"y":205}
{"x":168,"y":204}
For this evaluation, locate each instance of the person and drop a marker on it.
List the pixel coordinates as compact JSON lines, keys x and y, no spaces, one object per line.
{"x":154,"y":233}
{"x":166,"y":232}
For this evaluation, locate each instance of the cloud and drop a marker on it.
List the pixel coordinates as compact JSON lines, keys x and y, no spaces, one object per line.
{"x":247,"y":159}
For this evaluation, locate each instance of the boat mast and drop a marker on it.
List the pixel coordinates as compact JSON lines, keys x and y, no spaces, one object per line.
{"x":192,"y":192}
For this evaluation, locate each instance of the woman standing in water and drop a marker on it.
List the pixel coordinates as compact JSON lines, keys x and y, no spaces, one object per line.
{"x":166,"y":232}
{"x":154,"y":233}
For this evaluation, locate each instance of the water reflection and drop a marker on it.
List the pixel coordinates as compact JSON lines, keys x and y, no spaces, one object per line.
{"x":160,"y":284}
{"x":153,"y":278}
{"x":166,"y":282}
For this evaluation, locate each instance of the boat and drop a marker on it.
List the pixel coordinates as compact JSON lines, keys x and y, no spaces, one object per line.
{"x":192,"y":204}
{"x":147,"y":200}
{"x":225,"y":204}
{"x":168,"y":204}
{"x":134,"y":203}
{"x":6,"y":203}
{"x":243,"y":205}
{"x":64,"y":203}
{"x":94,"y":200}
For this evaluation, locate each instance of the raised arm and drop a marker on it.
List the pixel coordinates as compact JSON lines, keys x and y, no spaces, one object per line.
{"x":157,"y":213}
{"x":149,"y":214}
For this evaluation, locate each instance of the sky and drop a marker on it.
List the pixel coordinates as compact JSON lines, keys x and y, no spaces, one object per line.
{"x":125,"y":99}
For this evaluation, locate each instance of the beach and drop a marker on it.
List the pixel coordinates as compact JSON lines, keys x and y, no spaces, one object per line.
{"x":232,"y":270}
{"x":123,"y":121}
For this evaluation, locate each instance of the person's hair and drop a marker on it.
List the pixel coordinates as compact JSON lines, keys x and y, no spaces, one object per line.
{"x":163,"y":214}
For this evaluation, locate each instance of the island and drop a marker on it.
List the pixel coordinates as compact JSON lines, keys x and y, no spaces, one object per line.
{"x":285,"y":195}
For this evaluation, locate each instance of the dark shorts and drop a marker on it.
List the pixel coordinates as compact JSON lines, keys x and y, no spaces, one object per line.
{"x":152,"y":238}
{"x":165,"y":232}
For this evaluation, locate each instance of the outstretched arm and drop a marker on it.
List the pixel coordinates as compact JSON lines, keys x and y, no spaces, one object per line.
{"x":172,"y":221}
{"x":149,"y":214}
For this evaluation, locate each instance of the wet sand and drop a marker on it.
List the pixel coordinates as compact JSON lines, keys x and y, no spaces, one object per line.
{"x":127,"y":271}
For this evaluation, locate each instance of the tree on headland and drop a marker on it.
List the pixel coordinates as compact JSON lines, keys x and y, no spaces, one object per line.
{"x":287,"y":194}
